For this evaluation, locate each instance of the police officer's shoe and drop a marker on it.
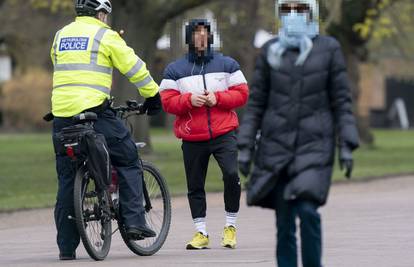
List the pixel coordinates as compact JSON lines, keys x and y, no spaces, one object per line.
{"x":67,"y":257}
{"x":139,"y":232}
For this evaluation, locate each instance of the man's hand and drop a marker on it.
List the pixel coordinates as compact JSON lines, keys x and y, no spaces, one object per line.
{"x":152,"y":105}
{"x":211,"y":100}
{"x":198,"y":100}
{"x":345,"y":160}
{"x":244,"y":159}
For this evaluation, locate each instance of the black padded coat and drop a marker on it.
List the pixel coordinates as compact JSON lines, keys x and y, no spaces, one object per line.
{"x":300,"y":113}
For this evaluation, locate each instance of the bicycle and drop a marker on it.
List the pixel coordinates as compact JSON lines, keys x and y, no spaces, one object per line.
{"x":95,"y":209}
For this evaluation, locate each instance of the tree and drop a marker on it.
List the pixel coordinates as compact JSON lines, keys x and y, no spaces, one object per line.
{"x":393,"y":29}
{"x":354,"y":27}
{"x":143,"y":23}
{"x":238,"y":22}
{"x":28,"y":33}
{"x":355,"y":23}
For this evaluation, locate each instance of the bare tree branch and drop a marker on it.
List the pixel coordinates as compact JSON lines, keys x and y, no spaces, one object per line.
{"x":334,"y":15}
{"x":380,"y":12}
{"x":402,"y":35}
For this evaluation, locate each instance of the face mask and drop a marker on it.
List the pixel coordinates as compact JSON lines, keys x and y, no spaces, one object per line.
{"x":295,"y":24}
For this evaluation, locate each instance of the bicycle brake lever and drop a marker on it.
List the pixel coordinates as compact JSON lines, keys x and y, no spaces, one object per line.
{"x":141,"y":109}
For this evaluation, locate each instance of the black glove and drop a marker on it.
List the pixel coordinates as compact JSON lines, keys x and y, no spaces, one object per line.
{"x":345,"y":160}
{"x":152,"y":105}
{"x":244,"y":160}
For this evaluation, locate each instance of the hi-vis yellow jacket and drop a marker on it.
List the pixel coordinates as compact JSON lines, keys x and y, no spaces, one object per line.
{"x":84,"y":54}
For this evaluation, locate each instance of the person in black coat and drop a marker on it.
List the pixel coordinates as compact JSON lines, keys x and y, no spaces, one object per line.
{"x":300,"y":107}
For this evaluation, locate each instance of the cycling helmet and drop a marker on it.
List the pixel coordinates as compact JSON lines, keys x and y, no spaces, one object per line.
{"x":92,"y":7}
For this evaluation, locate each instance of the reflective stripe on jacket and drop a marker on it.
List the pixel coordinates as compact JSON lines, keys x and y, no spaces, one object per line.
{"x":84,"y":54}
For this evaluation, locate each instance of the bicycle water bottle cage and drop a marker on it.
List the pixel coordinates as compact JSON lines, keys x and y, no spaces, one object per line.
{"x":85,"y":117}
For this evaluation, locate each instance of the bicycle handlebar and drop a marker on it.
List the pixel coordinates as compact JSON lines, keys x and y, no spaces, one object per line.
{"x":132,"y":106}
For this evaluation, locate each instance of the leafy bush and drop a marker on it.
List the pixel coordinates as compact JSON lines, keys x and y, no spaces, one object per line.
{"x":25,"y":99}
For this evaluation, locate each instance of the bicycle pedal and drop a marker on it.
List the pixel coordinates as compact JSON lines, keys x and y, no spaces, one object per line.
{"x":135,"y":237}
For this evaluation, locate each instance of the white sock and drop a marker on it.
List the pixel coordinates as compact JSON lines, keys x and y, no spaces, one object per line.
{"x":231,"y":218}
{"x":200,"y":225}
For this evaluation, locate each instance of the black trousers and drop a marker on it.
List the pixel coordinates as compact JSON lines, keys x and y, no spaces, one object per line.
{"x":196,"y":158}
{"x":124,"y":157}
{"x":310,"y":230}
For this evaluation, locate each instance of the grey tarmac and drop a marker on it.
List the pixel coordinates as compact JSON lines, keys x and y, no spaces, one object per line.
{"x":366,"y":224}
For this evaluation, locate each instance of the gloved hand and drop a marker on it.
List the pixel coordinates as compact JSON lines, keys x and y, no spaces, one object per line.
{"x":345,"y":160}
{"x":152,"y":105}
{"x":244,"y":160}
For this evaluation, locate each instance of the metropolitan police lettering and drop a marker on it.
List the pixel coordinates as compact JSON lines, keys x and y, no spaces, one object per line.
{"x":73,"y":44}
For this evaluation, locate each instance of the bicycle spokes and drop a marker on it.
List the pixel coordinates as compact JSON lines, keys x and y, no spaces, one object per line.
{"x":93,"y":216}
{"x":157,"y":212}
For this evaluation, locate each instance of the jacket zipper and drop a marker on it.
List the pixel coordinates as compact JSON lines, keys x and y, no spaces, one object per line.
{"x":208,"y":109}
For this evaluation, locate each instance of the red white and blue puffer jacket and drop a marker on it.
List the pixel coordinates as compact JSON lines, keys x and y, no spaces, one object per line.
{"x":221,"y":75}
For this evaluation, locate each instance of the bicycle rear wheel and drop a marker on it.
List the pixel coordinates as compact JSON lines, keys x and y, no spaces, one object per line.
{"x":157,"y":215}
{"x":92,"y":214}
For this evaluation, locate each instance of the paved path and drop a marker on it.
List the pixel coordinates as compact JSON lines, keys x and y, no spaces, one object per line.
{"x":365,"y":224}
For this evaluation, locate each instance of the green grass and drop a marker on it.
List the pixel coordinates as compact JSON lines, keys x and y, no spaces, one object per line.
{"x":393,"y":153}
{"x":27,"y":171}
{"x":28,"y":176}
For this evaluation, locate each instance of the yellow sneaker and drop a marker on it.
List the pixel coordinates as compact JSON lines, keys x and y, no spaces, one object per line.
{"x":229,"y":237}
{"x":199,"y":241}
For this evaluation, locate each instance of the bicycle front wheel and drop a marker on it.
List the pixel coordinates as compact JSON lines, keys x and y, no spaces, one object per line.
{"x":157,"y":203}
{"x":92,"y":214}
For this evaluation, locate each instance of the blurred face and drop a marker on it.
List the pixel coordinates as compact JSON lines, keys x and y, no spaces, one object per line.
{"x":200,"y":38}
{"x":295,"y":18}
{"x":297,"y":7}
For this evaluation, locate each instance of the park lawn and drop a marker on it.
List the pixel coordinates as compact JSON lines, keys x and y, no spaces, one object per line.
{"x":28,"y":176}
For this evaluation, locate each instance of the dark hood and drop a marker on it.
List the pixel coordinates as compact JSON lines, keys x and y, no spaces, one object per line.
{"x":192,"y":54}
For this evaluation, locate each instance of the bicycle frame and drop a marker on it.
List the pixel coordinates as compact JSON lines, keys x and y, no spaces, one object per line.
{"x":97,"y":207}
{"x":123,"y":113}
{"x":114,"y":191}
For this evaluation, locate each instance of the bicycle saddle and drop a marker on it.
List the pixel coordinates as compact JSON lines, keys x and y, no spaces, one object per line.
{"x":85,"y":117}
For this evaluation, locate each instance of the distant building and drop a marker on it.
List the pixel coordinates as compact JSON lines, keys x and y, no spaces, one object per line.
{"x":5,"y":69}
{"x":5,"y":64}
{"x":387,"y":93}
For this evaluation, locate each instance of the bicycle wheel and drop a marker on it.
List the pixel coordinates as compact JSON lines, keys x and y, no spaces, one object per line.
{"x":92,"y":214}
{"x":157,"y":215}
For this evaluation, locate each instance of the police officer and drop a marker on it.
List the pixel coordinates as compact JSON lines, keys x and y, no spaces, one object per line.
{"x":84,"y":54}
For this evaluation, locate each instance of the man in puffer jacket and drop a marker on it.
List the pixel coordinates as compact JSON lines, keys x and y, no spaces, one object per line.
{"x":300,"y":103}
{"x":202,"y":90}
